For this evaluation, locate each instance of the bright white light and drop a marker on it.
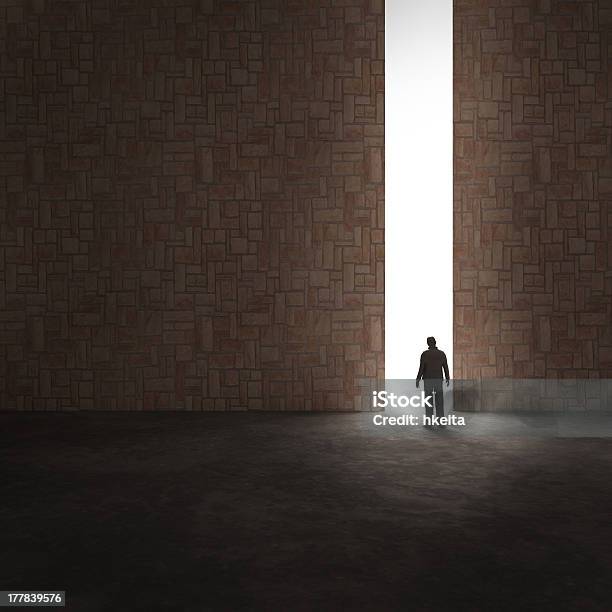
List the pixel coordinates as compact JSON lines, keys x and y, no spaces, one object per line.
{"x":418,"y":182}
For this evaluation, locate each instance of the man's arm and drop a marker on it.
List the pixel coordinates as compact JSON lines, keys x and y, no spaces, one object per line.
{"x":445,"y":368}
{"x":421,"y":371}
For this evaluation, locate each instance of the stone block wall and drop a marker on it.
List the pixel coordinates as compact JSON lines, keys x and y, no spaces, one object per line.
{"x":191,"y":203}
{"x":533,"y":186}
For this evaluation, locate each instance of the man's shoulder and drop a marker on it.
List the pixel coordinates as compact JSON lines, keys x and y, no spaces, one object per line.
{"x":438,"y":353}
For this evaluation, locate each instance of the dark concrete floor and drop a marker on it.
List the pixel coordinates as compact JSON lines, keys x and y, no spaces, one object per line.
{"x":182,"y":511}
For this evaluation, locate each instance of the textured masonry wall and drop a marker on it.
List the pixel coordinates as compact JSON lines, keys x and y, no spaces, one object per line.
{"x":533,"y":185}
{"x":191,"y":203}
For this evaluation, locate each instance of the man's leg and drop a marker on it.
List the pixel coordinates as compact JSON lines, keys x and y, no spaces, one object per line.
{"x":429,"y":390}
{"x":439,"y":399}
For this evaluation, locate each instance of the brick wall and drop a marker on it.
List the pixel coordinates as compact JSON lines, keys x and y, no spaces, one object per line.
{"x":192,"y":203}
{"x":533,"y":185}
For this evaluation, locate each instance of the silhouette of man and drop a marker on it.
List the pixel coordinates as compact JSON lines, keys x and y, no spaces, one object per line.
{"x":433,"y":362}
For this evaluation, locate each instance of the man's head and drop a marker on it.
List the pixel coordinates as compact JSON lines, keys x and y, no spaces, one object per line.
{"x":431,"y":342}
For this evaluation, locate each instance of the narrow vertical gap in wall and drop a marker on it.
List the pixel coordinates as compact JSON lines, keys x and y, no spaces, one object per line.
{"x":418,"y":181}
